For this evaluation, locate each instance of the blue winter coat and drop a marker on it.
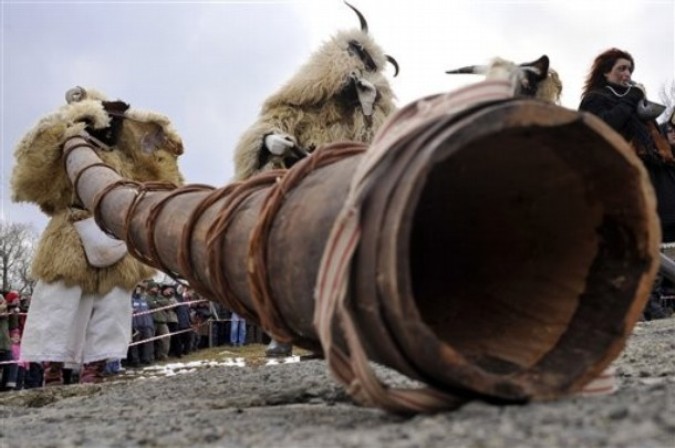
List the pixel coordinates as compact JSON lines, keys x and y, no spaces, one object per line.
{"x":139,"y":304}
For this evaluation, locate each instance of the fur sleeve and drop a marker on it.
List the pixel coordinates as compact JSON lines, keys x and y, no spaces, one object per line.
{"x":38,"y":175}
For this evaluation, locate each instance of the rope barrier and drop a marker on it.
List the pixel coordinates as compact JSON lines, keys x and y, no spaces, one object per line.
{"x":193,"y":328}
{"x":162,"y":308}
{"x":164,"y":336}
{"x":134,"y":314}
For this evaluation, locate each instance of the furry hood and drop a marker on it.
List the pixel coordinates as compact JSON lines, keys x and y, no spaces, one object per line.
{"x":328,"y":70}
{"x":534,"y":79}
{"x":550,"y":88}
{"x":144,"y":147}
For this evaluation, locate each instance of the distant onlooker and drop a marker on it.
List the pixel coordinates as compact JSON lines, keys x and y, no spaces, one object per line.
{"x":157,"y":303}
{"x":182,"y":339}
{"x":143,"y":329}
{"x":168,"y":292}
{"x":667,"y":287}
{"x":201,"y":314}
{"x":30,"y":373}
{"x":237,"y":330}
{"x":9,"y":323}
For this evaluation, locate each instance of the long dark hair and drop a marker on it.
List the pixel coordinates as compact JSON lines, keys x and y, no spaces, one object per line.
{"x":602,"y":64}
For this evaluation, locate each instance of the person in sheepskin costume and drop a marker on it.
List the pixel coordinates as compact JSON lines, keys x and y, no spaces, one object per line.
{"x":80,"y":311}
{"x":340,"y":94}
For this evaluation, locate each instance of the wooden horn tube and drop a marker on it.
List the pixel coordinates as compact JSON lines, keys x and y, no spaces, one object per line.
{"x":506,"y":256}
{"x":514,"y":257}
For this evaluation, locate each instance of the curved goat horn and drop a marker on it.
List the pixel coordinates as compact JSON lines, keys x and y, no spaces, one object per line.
{"x":393,"y":62}
{"x":471,"y":69}
{"x":364,"y":24}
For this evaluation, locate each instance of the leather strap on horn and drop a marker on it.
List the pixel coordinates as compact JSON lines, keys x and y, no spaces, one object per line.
{"x":269,"y":315}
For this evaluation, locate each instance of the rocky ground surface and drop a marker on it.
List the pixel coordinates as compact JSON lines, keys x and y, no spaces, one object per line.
{"x":241,"y":403}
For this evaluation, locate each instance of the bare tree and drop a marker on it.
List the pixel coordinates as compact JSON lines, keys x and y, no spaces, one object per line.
{"x":16,"y":253}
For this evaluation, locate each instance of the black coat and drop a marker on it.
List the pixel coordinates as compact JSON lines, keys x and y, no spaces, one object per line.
{"x":620,"y":113}
{"x":183,"y":314}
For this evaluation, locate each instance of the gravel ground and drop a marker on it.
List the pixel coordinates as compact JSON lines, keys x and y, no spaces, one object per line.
{"x":299,"y":405}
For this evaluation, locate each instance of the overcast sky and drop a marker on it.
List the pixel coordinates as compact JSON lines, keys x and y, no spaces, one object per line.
{"x":208,"y":66}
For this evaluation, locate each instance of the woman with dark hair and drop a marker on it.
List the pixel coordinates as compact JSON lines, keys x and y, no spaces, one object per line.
{"x":610,"y":93}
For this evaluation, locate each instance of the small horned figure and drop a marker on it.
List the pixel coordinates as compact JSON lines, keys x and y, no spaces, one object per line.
{"x":531,"y":79}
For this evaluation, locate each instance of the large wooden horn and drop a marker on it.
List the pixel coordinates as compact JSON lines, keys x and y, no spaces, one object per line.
{"x":504,"y":250}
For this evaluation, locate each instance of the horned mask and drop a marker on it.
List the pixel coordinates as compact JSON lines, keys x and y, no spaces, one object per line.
{"x":349,"y":66}
{"x":340,"y":94}
{"x":140,"y":145}
{"x":530,"y":79}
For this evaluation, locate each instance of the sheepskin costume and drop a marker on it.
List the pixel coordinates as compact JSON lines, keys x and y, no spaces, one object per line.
{"x":146,"y":149}
{"x":339,"y":94}
{"x":320,"y":104}
{"x":80,"y":312}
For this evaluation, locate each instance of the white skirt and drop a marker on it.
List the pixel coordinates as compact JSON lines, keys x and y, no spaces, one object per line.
{"x":65,"y":326}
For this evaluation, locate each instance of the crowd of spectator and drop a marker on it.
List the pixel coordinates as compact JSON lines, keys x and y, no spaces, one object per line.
{"x":169,"y":321}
